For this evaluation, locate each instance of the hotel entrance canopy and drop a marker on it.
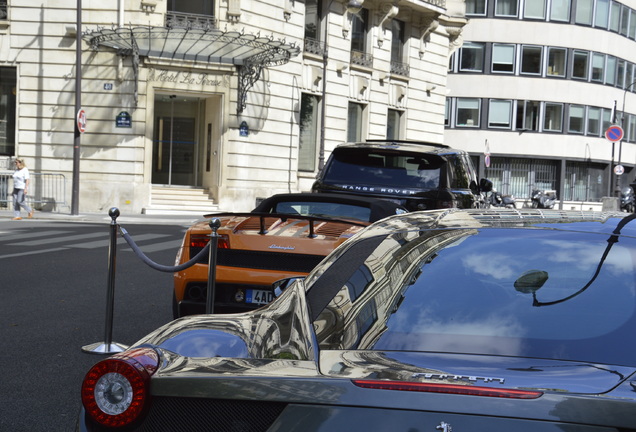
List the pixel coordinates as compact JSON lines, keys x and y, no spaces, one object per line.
{"x":250,"y":53}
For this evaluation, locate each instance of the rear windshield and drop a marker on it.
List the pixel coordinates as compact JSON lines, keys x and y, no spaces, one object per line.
{"x":361,"y":166}
{"x":513,"y":292}
{"x":324,"y":209}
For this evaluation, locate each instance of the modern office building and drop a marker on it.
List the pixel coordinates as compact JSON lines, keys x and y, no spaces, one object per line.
{"x":231,"y":100}
{"x":534,"y":89}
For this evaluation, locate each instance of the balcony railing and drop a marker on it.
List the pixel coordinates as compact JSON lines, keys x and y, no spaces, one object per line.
{"x":190,"y":21}
{"x":361,"y":59}
{"x":401,"y":69}
{"x":313,"y":46}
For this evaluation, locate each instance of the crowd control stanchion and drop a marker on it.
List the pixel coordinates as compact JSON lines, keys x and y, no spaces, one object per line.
{"x":108,"y":346}
{"x":215,"y":223}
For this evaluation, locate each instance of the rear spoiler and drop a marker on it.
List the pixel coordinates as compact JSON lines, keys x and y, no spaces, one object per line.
{"x":284,"y":217}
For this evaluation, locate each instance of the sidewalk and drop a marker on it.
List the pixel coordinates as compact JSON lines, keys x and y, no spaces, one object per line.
{"x":152,"y":219}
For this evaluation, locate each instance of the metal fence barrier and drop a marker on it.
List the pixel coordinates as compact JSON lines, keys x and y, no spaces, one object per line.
{"x":47,"y":191}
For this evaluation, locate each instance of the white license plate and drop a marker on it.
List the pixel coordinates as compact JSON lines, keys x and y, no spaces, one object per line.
{"x":258,"y":296}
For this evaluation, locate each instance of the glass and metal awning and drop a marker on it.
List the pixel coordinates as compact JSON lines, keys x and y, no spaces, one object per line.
{"x":250,"y":53}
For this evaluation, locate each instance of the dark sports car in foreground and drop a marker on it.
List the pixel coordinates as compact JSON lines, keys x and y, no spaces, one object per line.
{"x":462,"y":320}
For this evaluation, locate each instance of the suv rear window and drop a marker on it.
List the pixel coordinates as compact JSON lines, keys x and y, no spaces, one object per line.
{"x":391,"y":169}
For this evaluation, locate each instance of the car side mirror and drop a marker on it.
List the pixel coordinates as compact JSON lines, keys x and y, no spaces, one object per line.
{"x":282,"y":284}
{"x":485,"y":185}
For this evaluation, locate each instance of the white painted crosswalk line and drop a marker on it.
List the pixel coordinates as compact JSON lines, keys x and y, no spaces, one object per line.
{"x":60,"y":239}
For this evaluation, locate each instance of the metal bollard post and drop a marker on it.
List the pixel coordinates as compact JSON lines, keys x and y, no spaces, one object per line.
{"x":215,"y":223}
{"x":108,"y":346}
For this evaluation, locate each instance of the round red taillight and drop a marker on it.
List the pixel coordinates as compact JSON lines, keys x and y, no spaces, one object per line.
{"x":115,"y":390}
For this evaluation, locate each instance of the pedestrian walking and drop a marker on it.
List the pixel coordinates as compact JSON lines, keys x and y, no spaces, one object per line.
{"x":20,"y":189}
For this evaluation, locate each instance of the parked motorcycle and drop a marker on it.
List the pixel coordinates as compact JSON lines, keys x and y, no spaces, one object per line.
{"x":628,"y":201}
{"x":496,"y":199}
{"x":543,"y":199}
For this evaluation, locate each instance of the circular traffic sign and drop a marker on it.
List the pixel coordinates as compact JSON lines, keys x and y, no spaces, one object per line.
{"x":619,"y":169}
{"x":81,"y":121}
{"x":614,"y":133}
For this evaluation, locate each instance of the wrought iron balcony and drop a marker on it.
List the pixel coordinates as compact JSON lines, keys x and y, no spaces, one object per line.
{"x":190,"y":21}
{"x":361,"y":59}
{"x":313,"y":46}
{"x":398,"y":68}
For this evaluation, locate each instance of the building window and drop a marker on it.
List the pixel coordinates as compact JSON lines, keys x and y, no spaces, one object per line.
{"x":313,"y":15}
{"x":576,"y":122}
{"x":610,"y":70}
{"x":394,"y":124}
{"x":615,"y":16}
{"x":508,"y":8}
{"x":531,"y":60}
{"x":624,"y":25}
{"x":354,"y":122}
{"x":631,"y":128}
{"x":534,"y":9}
{"x":556,"y":62}
{"x":398,"y":42}
{"x":527,"y":116}
{"x":607,"y":120}
{"x":503,"y":58}
{"x":7,"y":110}
{"x":598,"y":67}
{"x":560,"y":10}
{"x":198,"y":7}
{"x":594,"y":121}
{"x":580,"y":64}
{"x":601,"y":16}
{"x":475,"y":7}
{"x":471,"y":57}
{"x":620,"y":74}
{"x":309,"y":121}
{"x":4,"y":13}
{"x":584,"y":12}
{"x":632,"y":24}
{"x":553,"y":119}
{"x":499,"y":114}
{"x":583,"y":181}
{"x":467,"y":112}
{"x":359,"y":34}
{"x":447,"y":111}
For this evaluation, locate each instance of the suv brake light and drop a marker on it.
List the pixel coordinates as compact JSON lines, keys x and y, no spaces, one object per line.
{"x":448,"y":388}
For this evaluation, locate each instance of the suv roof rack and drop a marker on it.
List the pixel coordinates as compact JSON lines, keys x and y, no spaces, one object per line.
{"x":407,"y":142}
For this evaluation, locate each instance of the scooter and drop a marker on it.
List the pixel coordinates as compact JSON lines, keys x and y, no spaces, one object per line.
{"x":541,"y":199}
{"x":628,"y":202}
{"x":495,"y":199}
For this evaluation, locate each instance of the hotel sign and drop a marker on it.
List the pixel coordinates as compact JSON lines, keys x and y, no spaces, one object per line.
{"x":189,"y":78}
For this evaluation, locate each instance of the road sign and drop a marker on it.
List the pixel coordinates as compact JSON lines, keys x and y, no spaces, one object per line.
{"x":619,"y":169}
{"x":81,"y":121}
{"x":614,"y":133}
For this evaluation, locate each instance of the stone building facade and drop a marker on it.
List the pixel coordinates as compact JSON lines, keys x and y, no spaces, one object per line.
{"x":238,"y":98}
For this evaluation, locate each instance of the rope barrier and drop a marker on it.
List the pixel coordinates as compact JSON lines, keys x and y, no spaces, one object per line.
{"x":160,"y":267}
{"x":108,"y":346}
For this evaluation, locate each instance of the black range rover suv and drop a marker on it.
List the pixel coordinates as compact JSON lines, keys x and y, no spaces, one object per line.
{"x":417,"y":175}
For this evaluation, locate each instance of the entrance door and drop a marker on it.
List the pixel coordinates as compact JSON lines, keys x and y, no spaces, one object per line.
{"x":176,"y":141}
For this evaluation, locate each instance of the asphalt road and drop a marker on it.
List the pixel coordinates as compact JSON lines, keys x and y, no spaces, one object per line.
{"x":53,"y":289}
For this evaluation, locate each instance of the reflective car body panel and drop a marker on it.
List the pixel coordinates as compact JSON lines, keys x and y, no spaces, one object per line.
{"x":491,"y":320}
{"x":286,"y":235}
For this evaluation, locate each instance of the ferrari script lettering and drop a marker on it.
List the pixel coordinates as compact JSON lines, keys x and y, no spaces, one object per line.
{"x":457,"y":377}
